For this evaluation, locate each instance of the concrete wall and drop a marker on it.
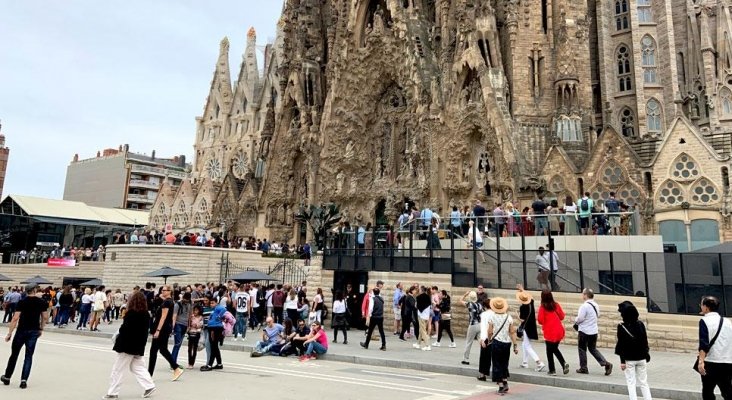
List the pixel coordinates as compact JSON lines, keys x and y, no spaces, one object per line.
{"x":100,"y":182}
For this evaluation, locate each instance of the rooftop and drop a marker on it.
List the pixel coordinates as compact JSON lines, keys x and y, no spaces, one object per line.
{"x":65,"y":211}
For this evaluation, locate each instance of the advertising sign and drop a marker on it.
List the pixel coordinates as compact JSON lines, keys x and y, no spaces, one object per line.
{"x":61,"y":262}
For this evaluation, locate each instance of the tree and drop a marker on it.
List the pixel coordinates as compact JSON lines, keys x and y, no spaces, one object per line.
{"x":320,"y":218}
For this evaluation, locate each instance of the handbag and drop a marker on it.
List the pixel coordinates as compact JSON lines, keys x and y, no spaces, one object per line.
{"x":714,"y":339}
{"x":520,"y":330}
{"x":446,"y":316}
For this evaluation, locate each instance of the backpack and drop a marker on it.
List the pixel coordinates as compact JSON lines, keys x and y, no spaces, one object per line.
{"x":585,"y":205}
{"x":229,"y":322}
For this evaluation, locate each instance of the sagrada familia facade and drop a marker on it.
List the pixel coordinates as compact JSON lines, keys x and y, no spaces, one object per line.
{"x":371,"y":103}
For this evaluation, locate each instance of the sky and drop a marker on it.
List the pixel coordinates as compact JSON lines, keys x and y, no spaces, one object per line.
{"x":78,"y":76}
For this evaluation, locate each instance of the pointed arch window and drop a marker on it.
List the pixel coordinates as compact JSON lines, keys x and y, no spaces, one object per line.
{"x":203,"y":206}
{"x":725,"y":96}
{"x":624,"y":69}
{"x":621,"y":15}
{"x":627,"y":122}
{"x":182,"y":207}
{"x":653,"y":116}
{"x":644,"y":11}
{"x":648,"y":51}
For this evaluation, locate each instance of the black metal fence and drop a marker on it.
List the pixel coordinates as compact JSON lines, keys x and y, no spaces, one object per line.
{"x":286,"y":270}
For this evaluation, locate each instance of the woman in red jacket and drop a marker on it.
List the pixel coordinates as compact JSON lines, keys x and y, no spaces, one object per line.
{"x":550,"y":318}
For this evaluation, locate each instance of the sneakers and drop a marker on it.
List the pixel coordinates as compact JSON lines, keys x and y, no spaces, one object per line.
{"x":4,"y":380}
{"x":415,"y":345}
{"x":255,"y":354}
{"x":582,"y":371}
{"x":147,"y":393}
{"x":205,"y":368}
{"x":540,"y":367}
{"x":552,"y":373}
{"x":427,"y":348}
{"x":345,"y":342}
{"x":177,"y":373}
{"x":453,"y":345}
{"x":23,"y":384}
{"x":364,"y":345}
{"x":566,"y":369}
{"x":382,"y":348}
{"x":110,"y":396}
{"x":218,"y":366}
{"x":608,"y":369}
{"x":524,"y":365}
{"x":465,"y":362}
{"x":436,"y":344}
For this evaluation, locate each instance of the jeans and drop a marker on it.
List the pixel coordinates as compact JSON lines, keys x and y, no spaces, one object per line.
{"x":637,"y":371}
{"x":193,"y":339}
{"x":64,"y":313}
{"x":241,"y":324}
{"x":585,"y":342}
{"x":160,"y":345}
{"x":717,"y":375}
{"x":374,"y":322}
{"x":84,"y":315}
{"x":178,"y":332}
{"x":262,"y":346}
{"x":277,"y":314}
{"x":541,"y":225}
{"x":318,"y":348}
{"x":253,"y":320}
{"x":552,"y":350}
{"x":9,"y":312}
{"x":27,"y":339}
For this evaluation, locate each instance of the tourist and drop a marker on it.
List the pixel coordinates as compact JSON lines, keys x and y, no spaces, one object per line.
{"x":475,"y":239}
{"x":586,"y":325}
{"x":434,"y":325}
{"x":479,"y":215}
{"x":130,"y":347}
{"x":443,"y":309}
{"x":296,"y":339}
{"x":502,"y":333}
{"x":243,"y":305}
{"x":612,"y":208}
{"x":84,"y":309}
{"x":10,"y":300}
{"x":513,"y":219}
{"x":554,"y":217}
{"x":271,"y":336}
{"x":163,"y":327}
{"x":586,"y":205}
{"x":278,"y":302}
{"x":254,"y":296}
{"x":541,"y":223}
{"x":317,"y":342}
{"x":181,"y":314}
{"x":396,"y":307}
{"x":29,"y":318}
{"x":291,"y":306}
{"x":375,"y":319}
{"x":408,"y":308}
{"x":542,"y":266}
{"x":550,"y":318}
{"x":65,"y":301}
{"x":499,"y":220}
{"x":99,"y":304}
{"x":195,"y":326}
{"x":455,"y":222}
{"x":215,"y":338}
{"x":632,"y":347}
{"x":318,"y":305}
{"x":485,"y":358}
{"x":268,"y":299}
{"x":470,"y":301}
{"x":715,"y":350}
{"x":527,"y":330}
{"x":353,"y":305}
{"x":339,"y":318}
{"x":570,"y":216}
{"x":424,"y":308}
{"x":118,"y":299}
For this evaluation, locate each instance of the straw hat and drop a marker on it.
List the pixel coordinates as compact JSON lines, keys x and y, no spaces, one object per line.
{"x":499,"y":305}
{"x":472,"y":297}
{"x":524,"y":297}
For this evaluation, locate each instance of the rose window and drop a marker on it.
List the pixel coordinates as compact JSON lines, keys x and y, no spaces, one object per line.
{"x":213,"y":168}
{"x":670,"y":194}
{"x":704,"y":192}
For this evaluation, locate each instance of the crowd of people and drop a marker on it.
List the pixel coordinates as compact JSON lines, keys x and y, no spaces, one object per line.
{"x":289,"y":323}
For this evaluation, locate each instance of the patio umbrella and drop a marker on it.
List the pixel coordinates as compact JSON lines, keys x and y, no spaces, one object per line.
{"x":38,"y":280}
{"x":251,"y":276}
{"x":165,"y":272}
{"x":92,"y":282}
{"x":5,"y":278}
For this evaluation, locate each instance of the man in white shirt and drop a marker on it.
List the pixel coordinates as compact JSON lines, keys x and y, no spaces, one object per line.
{"x":243,"y":305}
{"x":715,"y":359}
{"x":552,"y":260}
{"x":268,"y":297}
{"x":542,"y":265}
{"x":255,"y":306}
{"x":586,"y":325}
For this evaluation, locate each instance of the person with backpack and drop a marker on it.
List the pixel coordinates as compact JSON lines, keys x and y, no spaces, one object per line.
{"x":632,"y":348}
{"x":215,"y":338}
{"x":181,"y":314}
{"x":585,"y":214}
{"x":541,"y":221}
{"x":612,"y":208}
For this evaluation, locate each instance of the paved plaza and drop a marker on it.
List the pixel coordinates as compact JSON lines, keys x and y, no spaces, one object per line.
{"x":401,"y":371}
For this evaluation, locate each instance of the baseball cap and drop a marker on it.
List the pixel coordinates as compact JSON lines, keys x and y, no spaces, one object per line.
{"x":31,"y":287}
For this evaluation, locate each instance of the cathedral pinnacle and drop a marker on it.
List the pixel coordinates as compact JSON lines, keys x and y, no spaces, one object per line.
{"x":252,"y":34}
{"x":224,"y":46}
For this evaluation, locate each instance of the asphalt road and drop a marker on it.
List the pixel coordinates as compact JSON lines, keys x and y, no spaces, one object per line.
{"x":78,"y":367}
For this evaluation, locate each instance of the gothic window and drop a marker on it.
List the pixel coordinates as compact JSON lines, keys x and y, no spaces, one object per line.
{"x":182,"y":207}
{"x":599,"y":194}
{"x":670,"y":193}
{"x":239,"y":165}
{"x":726,"y":99}
{"x":556,"y":185}
{"x":203,"y":206}
{"x":648,"y":49}
{"x":612,"y":174}
{"x":161,"y":209}
{"x":644,"y":11}
{"x":624,"y":71}
{"x":176,"y":220}
{"x":627,"y":122}
{"x":217,"y":109}
{"x":197,"y":221}
{"x":653,"y":116}
{"x":685,"y":168}
{"x":621,"y":15}
{"x":183,"y":220}
{"x":244,"y":105}
{"x":629,"y":194}
{"x":704,"y":192}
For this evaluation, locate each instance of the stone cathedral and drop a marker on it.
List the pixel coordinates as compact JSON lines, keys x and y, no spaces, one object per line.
{"x":373,"y":103}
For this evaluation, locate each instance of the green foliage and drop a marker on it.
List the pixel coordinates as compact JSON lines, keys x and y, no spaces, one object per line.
{"x":320,"y":218}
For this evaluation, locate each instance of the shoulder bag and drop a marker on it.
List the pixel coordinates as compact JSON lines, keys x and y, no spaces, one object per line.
{"x":520,"y":330}
{"x":576,"y":325}
{"x":714,"y":339}
{"x":495,"y":334}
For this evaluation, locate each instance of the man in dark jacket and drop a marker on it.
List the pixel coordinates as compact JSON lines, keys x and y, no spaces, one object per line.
{"x":424,"y":306}
{"x":374,"y":319}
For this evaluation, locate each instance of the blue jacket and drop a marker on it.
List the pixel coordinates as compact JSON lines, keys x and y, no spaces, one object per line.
{"x":217,"y":317}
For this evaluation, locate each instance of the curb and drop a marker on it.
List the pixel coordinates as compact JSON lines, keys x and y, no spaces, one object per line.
{"x":542,"y":380}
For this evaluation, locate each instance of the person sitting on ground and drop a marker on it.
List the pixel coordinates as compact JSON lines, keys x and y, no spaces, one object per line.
{"x":317,"y":342}
{"x":296,"y":339}
{"x":271,"y":335}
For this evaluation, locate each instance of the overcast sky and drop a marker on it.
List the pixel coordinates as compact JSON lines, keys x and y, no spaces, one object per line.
{"x":77,"y":76}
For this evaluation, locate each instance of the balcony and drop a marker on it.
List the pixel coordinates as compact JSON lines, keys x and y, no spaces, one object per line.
{"x":141,"y":183}
{"x":140,"y":198}
{"x":147,"y":170}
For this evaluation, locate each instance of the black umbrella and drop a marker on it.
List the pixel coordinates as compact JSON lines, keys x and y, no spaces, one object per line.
{"x":92,"y":282}
{"x":251,"y":276}
{"x":165,"y":272}
{"x":38,"y":280}
{"x":5,"y":278}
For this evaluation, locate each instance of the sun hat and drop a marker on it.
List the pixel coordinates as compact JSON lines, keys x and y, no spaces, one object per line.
{"x":524,"y":297}
{"x":472,"y":297}
{"x":499,"y":305}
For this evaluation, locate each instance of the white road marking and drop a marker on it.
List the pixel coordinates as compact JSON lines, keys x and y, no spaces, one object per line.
{"x":419,"y":378}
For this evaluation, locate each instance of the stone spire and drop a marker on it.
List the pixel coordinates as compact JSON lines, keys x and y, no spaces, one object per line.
{"x":220,"y":94}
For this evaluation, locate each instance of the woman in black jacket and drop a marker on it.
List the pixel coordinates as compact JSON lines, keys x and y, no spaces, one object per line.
{"x":409,"y":312}
{"x":632,"y":347}
{"x":527,"y":315}
{"x":130,"y":347}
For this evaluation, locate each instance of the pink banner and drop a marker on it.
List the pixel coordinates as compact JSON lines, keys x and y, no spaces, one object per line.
{"x":61,"y":262}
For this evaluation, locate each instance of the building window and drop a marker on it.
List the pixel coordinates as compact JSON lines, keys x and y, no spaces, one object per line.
{"x":653,"y":116}
{"x":685,"y":168}
{"x":704,"y":192}
{"x":627,"y":122}
{"x":648,"y":50}
{"x":644,"y":11}
{"x":624,"y":71}
{"x":726,"y":95}
{"x":671,"y":194}
{"x":621,"y":15}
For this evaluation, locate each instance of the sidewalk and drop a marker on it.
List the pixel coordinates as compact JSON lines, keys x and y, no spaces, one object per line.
{"x":669,"y":374}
